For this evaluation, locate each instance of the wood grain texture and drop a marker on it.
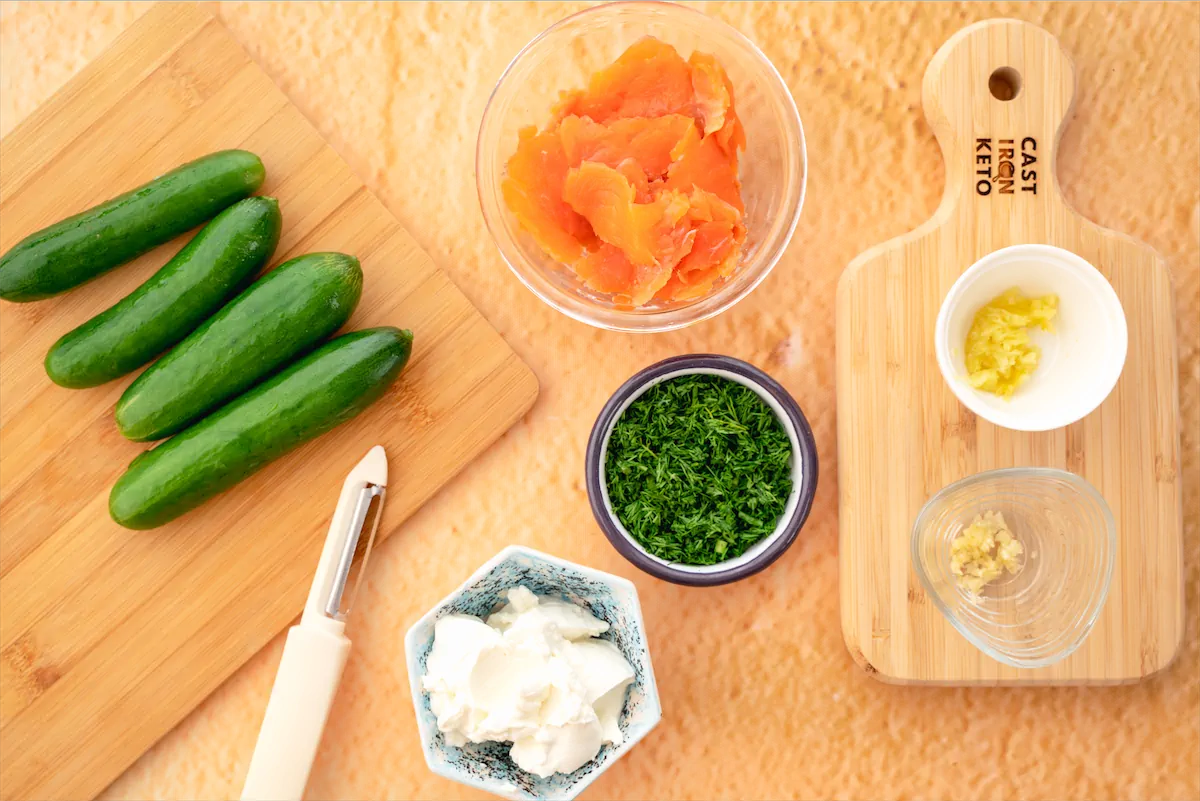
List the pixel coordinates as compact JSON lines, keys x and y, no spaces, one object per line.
{"x":109,"y":637}
{"x":902,"y":435}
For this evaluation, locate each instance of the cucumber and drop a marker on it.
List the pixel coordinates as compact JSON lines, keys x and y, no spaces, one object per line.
{"x":324,"y":389}
{"x":82,"y":247}
{"x":281,"y":316}
{"x":209,"y":270}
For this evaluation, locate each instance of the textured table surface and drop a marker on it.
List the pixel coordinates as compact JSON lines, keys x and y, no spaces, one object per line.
{"x":760,"y":698}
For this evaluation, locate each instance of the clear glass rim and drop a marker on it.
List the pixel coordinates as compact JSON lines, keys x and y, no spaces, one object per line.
{"x":1110,"y":531}
{"x":666,"y":319}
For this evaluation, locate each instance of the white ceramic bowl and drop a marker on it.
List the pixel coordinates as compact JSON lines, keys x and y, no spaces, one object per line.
{"x":613,"y":599}
{"x":1081,"y":360}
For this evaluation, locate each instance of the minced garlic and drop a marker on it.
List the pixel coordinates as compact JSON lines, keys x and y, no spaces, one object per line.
{"x":983,"y":551}
{"x":999,"y":354}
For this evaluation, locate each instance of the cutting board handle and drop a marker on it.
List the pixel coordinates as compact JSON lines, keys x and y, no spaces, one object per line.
{"x":997,"y":94}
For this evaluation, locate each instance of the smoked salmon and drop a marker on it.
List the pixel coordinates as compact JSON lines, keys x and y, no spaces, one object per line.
{"x":634,"y":182}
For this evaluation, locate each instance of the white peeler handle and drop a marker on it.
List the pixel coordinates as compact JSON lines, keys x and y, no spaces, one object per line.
{"x":312,"y":663}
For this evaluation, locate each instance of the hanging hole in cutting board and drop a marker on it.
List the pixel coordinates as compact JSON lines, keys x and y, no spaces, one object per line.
{"x":1005,"y":83}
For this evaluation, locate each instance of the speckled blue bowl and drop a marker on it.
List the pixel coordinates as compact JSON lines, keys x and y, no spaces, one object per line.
{"x":608,"y":597}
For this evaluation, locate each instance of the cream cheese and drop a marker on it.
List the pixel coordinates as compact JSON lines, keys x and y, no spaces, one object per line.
{"x":534,"y":674}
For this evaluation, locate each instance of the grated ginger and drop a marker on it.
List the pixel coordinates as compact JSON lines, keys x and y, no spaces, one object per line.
{"x":983,"y":551}
{"x":999,"y":354}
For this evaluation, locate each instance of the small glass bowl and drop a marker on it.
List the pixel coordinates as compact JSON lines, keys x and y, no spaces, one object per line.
{"x":773,"y":166}
{"x":1045,"y":611}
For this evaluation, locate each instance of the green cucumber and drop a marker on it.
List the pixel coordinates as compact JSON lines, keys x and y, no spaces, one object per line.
{"x":281,"y":316}
{"x":209,"y":270}
{"x":82,"y":247}
{"x":324,"y":389}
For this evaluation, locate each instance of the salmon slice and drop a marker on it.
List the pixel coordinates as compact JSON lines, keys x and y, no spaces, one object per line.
{"x":650,"y":142}
{"x":533,"y":190}
{"x":713,"y":255}
{"x":650,"y":79}
{"x":652,"y":233}
{"x":714,"y":106}
{"x":713,"y":247}
{"x":712,"y":92}
{"x":683,"y":291}
{"x":706,"y":165}
{"x":707,"y":207}
{"x":677,"y":289}
{"x":563,"y":108}
{"x":732,"y":136}
{"x":636,"y":176}
{"x":691,"y":140}
{"x":670,"y":289}
{"x":607,"y":269}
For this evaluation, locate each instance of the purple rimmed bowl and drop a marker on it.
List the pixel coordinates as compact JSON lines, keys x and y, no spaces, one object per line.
{"x":804,"y":470}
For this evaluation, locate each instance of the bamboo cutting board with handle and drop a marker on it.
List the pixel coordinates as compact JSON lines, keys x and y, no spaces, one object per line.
{"x":109,"y":637}
{"x":997,"y":95}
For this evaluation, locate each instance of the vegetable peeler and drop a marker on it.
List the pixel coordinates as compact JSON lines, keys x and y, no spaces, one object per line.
{"x":316,"y":647}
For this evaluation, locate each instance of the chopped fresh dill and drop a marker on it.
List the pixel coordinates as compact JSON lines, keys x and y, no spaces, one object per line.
{"x":698,"y":469}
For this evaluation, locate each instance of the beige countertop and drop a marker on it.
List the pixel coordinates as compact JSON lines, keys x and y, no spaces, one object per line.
{"x":760,"y":698}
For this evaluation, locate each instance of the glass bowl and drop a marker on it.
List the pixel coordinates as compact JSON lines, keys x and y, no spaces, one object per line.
{"x":1045,"y":611}
{"x":773,"y":165}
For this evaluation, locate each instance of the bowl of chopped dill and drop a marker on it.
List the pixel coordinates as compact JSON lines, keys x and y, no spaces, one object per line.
{"x":701,"y":470}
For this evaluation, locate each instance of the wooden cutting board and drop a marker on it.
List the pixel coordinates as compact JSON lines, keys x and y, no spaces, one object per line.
{"x":109,"y":637}
{"x":902,"y":434}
